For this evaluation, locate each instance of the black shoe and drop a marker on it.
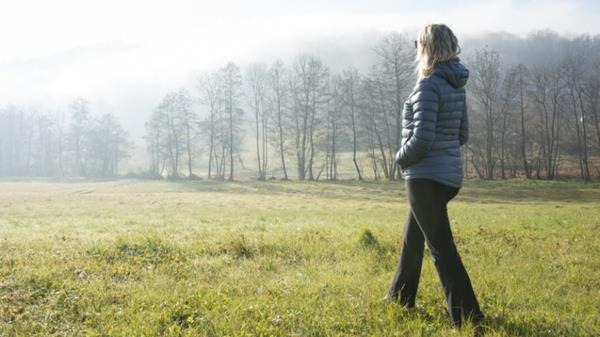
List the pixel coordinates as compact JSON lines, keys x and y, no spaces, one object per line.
{"x":475,"y":319}
{"x":478,"y":319}
{"x":478,"y":325}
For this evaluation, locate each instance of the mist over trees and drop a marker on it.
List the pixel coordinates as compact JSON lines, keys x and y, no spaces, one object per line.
{"x":170,"y":132}
{"x":43,"y":144}
{"x":532,"y":105}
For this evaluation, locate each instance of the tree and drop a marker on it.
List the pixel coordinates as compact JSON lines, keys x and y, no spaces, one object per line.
{"x":309,"y":87}
{"x":278,"y":97}
{"x":548,"y":96}
{"x":80,"y":115}
{"x":334,"y":119}
{"x":523,"y":74}
{"x":485,"y":85}
{"x":170,"y":132}
{"x":507,"y":105}
{"x":393,"y":72}
{"x":257,"y":82}
{"x":107,"y":144}
{"x":212,"y":96}
{"x":189,"y":120}
{"x":350,"y":84}
{"x":232,"y":84}
{"x":574,"y":68}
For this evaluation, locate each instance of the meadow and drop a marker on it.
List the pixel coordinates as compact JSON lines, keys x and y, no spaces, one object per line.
{"x":287,"y":258}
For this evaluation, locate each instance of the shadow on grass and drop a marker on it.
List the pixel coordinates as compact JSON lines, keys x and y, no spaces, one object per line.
{"x":478,"y":191}
{"x":518,"y":326}
{"x":528,"y":191}
{"x":498,"y":324}
{"x":511,"y":191}
{"x":344,"y":189}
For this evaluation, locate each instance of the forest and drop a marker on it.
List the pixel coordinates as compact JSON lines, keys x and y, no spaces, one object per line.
{"x":532,"y":104}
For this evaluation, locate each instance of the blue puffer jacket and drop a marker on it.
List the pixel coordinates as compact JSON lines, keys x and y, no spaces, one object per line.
{"x":435,"y":125}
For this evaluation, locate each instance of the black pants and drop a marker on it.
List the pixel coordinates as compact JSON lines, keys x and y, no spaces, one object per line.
{"x":428,"y":222}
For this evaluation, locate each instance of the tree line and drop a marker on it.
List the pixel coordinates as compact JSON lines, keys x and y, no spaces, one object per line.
{"x":302,"y":116}
{"x":534,"y":118}
{"x":46,"y":145}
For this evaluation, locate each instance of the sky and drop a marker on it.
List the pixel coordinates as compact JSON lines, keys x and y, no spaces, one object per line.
{"x":124,"y":55}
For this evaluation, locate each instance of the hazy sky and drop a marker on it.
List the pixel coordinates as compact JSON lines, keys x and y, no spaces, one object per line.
{"x":125,"y":54}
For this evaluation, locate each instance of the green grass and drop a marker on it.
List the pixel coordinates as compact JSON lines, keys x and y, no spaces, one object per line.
{"x":134,"y":258}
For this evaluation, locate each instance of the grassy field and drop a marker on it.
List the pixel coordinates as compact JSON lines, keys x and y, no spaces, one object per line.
{"x":135,"y":258}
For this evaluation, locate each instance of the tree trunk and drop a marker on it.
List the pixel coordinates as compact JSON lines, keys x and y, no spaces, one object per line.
{"x":523,"y":136}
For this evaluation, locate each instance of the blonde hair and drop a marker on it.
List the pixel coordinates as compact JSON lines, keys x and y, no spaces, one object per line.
{"x":436,"y":43}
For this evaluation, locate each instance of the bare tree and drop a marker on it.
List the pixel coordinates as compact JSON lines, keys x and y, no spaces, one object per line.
{"x":350,"y":86}
{"x":212,"y":95}
{"x":334,"y":116}
{"x":395,"y":60}
{"x":257,"y":82}
{"x":485,"y":86}
{"x":107,"y":144}
{"x":574,"y":68}
{"x":507,"y":104}
{"x":154,"y":144}
{"x":80,"y":115}
{"x":278,"y":96}
{"x":189,"y":120}
{"x":308,"y":85}
{"x":592,"y":94}
{"x":232,"y":84}
{"x":381,"y":150}
{"x":548,"y":96}
{"x":523,"y":75}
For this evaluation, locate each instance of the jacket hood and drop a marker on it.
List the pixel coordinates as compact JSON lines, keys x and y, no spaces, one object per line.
{"x":452,"y":71}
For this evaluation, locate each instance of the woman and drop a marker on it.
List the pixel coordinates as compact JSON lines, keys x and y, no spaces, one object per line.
{"x":434,"y":127}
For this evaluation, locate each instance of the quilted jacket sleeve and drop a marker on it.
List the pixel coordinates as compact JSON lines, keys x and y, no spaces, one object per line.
{"x":463,"y":131}
{"x":425,"y":104}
